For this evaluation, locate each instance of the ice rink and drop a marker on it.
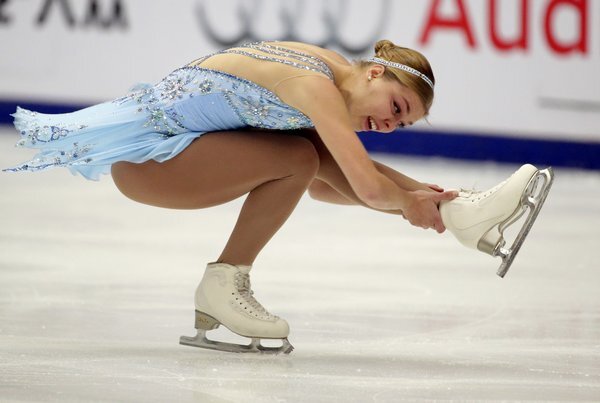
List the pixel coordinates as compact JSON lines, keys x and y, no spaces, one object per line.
{"x":95,"y":291}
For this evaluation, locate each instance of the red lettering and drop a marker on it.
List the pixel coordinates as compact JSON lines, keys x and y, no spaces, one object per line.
{"x":580,"y":44}
{"x":436,"y":21}
{"x":521,"y":40}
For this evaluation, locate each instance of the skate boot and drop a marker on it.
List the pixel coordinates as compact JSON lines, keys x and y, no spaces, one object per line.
{"x":224,"y":297}
{"x":478,"y":219}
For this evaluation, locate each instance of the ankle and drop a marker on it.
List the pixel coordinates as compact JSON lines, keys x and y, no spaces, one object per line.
{"x":236,"y":262}
{"x":242,"y":267}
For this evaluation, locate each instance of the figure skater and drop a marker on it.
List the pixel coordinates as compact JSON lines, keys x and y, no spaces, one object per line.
{"x":269,"y":120}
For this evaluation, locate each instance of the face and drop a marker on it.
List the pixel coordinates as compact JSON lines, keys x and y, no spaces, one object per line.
{"x":381,"y":104}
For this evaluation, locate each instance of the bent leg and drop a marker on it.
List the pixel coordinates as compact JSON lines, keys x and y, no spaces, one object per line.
{"x":274,"y":168}
{"x":320,"y":190}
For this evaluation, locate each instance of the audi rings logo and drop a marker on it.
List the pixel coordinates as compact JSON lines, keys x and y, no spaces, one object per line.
{"x":351,"y":26}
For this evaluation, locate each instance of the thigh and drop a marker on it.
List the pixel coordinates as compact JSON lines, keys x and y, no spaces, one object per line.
{"x":214,"y":169}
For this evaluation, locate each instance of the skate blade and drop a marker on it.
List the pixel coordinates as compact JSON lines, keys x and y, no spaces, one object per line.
{"x":201,"y":341}
{"x":531,"y":202}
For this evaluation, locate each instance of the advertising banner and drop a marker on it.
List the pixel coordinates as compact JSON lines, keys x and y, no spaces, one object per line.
{"x":523,"y":70}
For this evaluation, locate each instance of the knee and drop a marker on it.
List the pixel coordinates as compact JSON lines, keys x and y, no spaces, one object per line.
{"x":318,"y":189}
{"x":303,"y":158}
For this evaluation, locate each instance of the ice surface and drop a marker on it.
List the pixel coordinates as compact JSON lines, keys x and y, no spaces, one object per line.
{"x":95,"y":291}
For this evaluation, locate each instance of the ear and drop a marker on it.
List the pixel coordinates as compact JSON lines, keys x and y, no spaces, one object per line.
{"x":376,"y":70}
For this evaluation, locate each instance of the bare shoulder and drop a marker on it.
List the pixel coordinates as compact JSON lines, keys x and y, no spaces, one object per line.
{"x":313,"y":94}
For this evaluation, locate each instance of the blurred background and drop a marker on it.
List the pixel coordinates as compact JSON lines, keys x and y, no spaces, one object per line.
{"x":517,"y":80}
{"x":95,"y":289}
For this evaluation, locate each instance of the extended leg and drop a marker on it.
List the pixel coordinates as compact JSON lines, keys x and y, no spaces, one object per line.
{"x":478,"y":219}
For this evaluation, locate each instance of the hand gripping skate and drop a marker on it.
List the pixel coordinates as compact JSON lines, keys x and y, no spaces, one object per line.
{"x":478,"y":219}
{"x":224,"y":297}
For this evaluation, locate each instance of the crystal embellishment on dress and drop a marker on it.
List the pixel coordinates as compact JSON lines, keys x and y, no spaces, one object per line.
{"x":255,"y":105}
{"x":282,"y":55}
{"x":158,"y":121}
{"x":206,"y":86}
{"x":32,"y":132}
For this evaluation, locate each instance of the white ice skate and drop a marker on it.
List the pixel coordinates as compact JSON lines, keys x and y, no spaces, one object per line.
{"x":224,"y":297}
{"x":478,"y":219}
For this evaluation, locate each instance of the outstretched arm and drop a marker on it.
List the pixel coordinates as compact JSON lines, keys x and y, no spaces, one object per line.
{"x":322,"y":191}
{"x":404,"y":181}
{"x":331,"y":186}
{"x":321,"y":101}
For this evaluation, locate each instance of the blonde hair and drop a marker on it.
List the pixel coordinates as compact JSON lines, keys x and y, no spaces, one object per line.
{"x":387,"y":50}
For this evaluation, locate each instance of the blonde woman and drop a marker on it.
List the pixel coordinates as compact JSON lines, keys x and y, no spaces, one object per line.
{"x":268,"y":119}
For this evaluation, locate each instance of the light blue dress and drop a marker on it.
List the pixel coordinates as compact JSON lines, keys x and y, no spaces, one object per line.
{"x":159,"y":121}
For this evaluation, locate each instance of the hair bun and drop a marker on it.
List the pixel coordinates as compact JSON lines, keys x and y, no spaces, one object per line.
{"x":382,"y":46}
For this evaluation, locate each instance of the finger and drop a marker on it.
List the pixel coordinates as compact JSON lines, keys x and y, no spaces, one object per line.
{"x":434,"y":187}
{"x":448,"y":195}
{"x":438,"y":225}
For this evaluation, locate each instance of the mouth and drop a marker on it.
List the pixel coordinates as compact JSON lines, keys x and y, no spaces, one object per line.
{"x":370,"y":124}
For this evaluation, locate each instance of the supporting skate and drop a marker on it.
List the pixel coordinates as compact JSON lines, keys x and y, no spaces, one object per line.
{"x":478,"y":219}
{"x":224,"y":297}
{"x":200,"y":340}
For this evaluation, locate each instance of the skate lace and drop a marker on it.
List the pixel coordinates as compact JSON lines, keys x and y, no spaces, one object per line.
{"x":468,"y":192}
{"x":242,"y":283}
{"x":477,"y":195}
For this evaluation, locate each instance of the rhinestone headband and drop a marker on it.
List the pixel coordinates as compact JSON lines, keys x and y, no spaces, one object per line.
{"x":403,"y":67}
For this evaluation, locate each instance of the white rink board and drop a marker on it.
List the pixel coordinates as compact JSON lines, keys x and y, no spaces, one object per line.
{"x":536,"y":91}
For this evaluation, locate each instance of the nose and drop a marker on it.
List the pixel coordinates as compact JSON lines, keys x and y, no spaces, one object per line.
{"x":392,"y":124}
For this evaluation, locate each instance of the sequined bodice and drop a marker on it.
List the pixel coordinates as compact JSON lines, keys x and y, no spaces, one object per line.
{"x":157,"y":122}
{"x":274,"y":53}
{"x":194,"y":98}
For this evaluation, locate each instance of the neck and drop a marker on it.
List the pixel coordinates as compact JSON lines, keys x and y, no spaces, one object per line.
{"x":346,"y":79}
